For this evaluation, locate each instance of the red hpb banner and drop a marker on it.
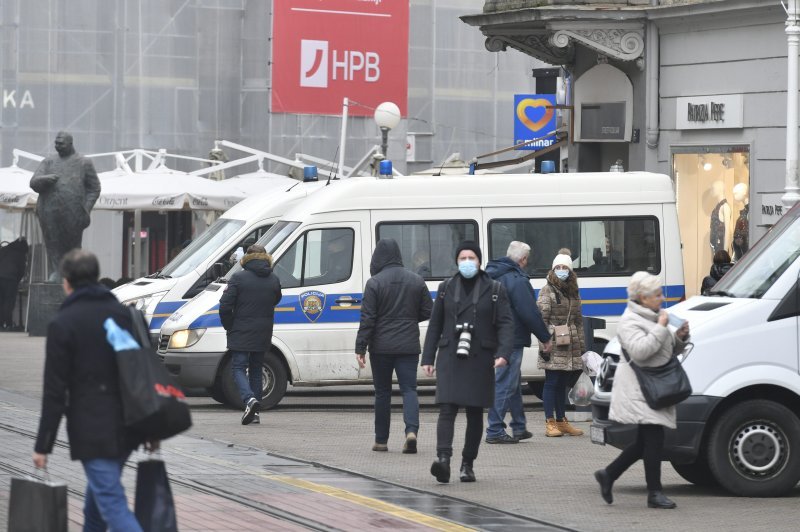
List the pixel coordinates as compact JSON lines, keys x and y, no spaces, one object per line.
{"x":325,"y":50}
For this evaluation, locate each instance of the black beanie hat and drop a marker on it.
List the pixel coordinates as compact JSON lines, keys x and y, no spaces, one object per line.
{"x":472,"y":246}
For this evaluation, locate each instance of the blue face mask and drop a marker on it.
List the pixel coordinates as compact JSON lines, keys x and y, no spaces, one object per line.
{"x":562,"y":274}
{"x":468,"y":269}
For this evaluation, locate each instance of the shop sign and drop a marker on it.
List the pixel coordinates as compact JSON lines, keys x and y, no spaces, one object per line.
{"x":534,"y":117}
{"x":724,"y":111}
{"x":772,"y":208}
{"x":325,"y":51}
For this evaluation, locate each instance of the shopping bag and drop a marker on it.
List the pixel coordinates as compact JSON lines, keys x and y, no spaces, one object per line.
{"x":582,"y":391}
{"x":154,"y":506}
{"x":152,"y":403}
{"x":37,"y":506}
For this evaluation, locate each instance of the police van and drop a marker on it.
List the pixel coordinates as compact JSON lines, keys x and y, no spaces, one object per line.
{"x":614,"y":225}
{"x":211,"y":254}
{"x":741,"y":427}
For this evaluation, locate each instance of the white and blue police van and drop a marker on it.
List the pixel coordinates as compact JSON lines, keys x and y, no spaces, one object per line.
{"x":211,"y":254}
{"x":614,"y":224}
{"x":740,"y":428}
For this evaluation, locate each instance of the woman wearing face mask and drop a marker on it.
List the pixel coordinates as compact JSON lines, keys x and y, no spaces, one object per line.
{"x":560,"y":304}
{"x":465,"y":370}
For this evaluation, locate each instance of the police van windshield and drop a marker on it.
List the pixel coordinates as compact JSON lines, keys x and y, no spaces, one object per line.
{"x":758,"y":270}
{"x":202,"y":247}
{"x":271,"y":240}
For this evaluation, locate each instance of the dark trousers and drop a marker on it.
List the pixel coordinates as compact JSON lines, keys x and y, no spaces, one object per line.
{"x":8,"y":300}
{"x":554,"y":395}
{"x":405,"y":366}
{"x":648,"y":446}
{"x":446,"y":426}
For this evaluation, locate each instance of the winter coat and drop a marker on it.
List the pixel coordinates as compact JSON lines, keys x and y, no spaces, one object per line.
{"x":470,"y":381}
{"x":717,"y":271}
{"x":247,"y":306}
{"x":80,"y":378}
{"x":557,"y":302}
{"x":527,"y":318}
{"x":395,"y":301}
{"x":649,"y":345}
{"x":13,"y":258}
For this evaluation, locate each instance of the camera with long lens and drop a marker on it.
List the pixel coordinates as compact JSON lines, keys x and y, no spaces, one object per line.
{"x":464,"y":340}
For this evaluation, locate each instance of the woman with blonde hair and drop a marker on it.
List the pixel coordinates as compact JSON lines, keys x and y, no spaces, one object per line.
{"x":560,"y":304}
{"x":643,"y":334}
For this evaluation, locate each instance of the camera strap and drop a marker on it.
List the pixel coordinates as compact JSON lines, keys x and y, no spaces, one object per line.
{"x":475,"y":293}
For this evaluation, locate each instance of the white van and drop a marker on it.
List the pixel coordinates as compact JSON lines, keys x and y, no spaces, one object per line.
{"x":615,"y":224}
{"x":740,"y":428}
{"x":208,"y":257}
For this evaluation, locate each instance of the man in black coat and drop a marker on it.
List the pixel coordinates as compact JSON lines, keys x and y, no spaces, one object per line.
{"x":509,"y":270}
{"x":464,"y":371}
{"x":13,"y":258}
{"x":80,"y":380}
{"x":395,"y":301}
{"x":247,"y":312}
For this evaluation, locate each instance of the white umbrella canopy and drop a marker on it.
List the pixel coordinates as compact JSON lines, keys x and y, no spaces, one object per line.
{"x":15,"y":190}
{"x":164,"y":189}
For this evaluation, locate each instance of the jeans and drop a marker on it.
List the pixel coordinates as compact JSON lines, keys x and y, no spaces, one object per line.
{"x":648,"y":446}
{"x":105,"y":506}
{"x":445,"y":428}
{"x":554,"y":395}
{"x":251,"y":362}
{"x":507,"y":397}
{"x":405,"y":366}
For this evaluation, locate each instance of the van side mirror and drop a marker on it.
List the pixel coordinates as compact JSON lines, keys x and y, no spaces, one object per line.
{"x":217,"y":270}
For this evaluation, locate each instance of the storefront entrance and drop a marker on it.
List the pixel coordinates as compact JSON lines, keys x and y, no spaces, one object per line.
{"x":713,"y":191}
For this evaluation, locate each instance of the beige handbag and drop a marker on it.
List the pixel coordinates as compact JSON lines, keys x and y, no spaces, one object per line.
{"x":561,"y":334}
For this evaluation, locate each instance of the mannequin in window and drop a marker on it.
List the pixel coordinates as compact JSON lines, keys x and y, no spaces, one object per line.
{"x":720,"y":216}
{"x":741,"y":229}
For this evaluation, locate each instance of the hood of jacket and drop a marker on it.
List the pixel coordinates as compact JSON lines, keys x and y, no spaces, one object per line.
{"x":258,"y":263}
{"x":497,"y":268}
{"x":641,"y":310}
{"x":94,"y":291}
{"x":718,"y":270}
{"x":387,"y":253}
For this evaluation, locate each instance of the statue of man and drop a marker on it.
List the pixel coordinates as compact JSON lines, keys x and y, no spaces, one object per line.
{"x":68,"y":187}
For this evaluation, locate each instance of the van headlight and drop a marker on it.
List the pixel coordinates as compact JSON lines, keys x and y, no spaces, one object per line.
{"x":146,"y":304}
{"x":185,"y":338}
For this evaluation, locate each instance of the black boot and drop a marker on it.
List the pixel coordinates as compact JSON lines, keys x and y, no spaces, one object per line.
{"x":441,"y":469}
{"x":467,"y":474}
{"x":656,"y":499}
{"x":601,"y":475}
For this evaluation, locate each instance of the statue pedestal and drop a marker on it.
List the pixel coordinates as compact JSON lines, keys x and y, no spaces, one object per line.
{"x":45,"y":300}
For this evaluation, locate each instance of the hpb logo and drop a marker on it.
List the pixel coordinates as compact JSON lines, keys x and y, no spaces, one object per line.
{"x":534,"y":117}
{"x":345,"y":65}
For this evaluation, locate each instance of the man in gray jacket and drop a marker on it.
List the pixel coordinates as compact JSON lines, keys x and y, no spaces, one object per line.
{"x":395,"y":301}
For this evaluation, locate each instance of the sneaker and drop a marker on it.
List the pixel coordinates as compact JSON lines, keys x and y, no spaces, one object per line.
{"x":380,"y":447}
{"x":503,"y":438}
{"x":256,"y":420}
{"x":250,"y":411}
{"x":410,"y":446}
{"x":524,"y":435}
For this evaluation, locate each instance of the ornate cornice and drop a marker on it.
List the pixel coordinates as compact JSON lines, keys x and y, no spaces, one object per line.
{"x":536,"y":45}
{"x":624,"y":44}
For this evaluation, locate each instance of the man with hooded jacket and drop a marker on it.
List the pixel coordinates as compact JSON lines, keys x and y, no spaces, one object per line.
{"x":509,"y":270}
{"x":247,"y":311}
{"x":395,"y":301}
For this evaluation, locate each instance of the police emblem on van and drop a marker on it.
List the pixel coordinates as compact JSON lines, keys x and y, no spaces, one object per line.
{"x":312,"y":303}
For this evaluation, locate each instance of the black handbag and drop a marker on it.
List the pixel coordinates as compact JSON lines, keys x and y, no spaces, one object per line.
{"x":37,"y":506}
{"x":154,"y":506}
{"x":152,"y":403}
{"x":662,"y":386}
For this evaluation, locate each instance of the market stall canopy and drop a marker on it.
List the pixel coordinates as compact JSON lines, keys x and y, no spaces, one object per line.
{"x":164,"y":189}
{"x":15,"y":190}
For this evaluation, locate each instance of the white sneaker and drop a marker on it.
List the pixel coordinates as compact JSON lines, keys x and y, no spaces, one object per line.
{"x":250,"y":410}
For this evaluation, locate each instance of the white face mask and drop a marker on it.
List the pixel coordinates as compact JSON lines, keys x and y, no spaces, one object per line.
{"x":562,"y":274}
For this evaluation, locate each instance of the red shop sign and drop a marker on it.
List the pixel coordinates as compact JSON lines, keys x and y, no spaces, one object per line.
{"x":325,"y":50}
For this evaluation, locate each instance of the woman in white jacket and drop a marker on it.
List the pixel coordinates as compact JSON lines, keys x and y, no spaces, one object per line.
{"x":643,"y":333}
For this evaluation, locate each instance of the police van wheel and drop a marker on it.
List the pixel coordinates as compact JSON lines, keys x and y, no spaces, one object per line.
{"x":273,"y":377}
{"x":754,"y":449}
{"x":698,"y":473}
{"x":216,"y":392}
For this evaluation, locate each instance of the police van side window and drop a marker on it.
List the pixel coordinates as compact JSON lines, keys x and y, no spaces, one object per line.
{"x":600,"y":246}
{"x":320,"y":256}
{"x":428,"y":248}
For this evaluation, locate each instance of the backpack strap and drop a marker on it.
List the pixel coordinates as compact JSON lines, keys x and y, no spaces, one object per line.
{"x":443,"y":291}
{"x":495,"y":296}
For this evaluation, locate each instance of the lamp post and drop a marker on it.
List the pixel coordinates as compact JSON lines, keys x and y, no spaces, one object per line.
{"x":387,"y":116}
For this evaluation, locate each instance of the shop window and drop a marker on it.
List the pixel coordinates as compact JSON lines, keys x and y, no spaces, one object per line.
{"x":713,"y":199}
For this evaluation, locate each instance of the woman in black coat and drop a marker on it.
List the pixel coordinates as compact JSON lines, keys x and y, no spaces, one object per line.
{"x":470,"y":297}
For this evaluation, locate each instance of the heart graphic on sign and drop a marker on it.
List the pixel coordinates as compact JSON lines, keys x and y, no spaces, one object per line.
{"x":531,"y":103}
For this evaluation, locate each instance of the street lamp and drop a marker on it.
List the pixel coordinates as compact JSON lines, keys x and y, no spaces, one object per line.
{"x":387,"y":116}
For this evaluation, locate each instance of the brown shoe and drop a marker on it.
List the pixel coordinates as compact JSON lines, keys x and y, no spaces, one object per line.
{"x":410,"y":446}
{"x":566,"y":428}
{"x":380,"y":447}
{"x":551,"y":429}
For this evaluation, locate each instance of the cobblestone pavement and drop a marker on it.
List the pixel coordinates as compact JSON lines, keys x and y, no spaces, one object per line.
{"x":548,"y":479}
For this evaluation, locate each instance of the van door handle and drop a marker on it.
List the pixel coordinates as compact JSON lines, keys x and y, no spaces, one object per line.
{"x":346,"y":300}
